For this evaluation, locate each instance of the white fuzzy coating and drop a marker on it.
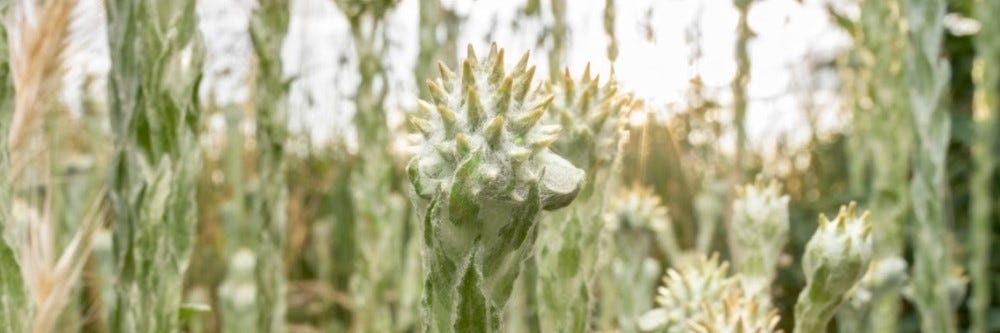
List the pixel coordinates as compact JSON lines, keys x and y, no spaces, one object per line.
{"x":740,"y":314}
{"x":484,"y":112}
{"x":759,"y":232}
{"x":687,"y":293}
{"x":883,"y":275}
{"x":843,"y":247}
{"x":637,"y":208}
{"x":243,"y":261}
{"x":239,"y":289}
{"x":591,"y":113}
{"x":759,"y":204}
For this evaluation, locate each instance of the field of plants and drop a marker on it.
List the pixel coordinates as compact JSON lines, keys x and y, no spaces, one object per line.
{"x":525,"y":166}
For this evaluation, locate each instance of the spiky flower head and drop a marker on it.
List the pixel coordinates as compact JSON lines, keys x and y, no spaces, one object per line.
{"x":592,"y":116}
{"x":687,"y":292}
{"x":483,"y":124}
{"x":839,"y":252}
{"x":758,"y":232}
{"x":740,"y":314}
{"x":637,"y":208}
{"x":635,"y":215}
{"x":481,"y":176}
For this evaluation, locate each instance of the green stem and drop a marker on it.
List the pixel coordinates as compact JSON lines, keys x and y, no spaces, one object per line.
{"x":815,"y":308}
{"x":566,"y":266}
{"x":154,"y":117}
{"x":268,"y":206}
{"x":467,"y":291}
{"x":927,"y":79}
{"x":740,"y":82}
{"x":609,"y":29}
{"x":380,"y":211}
{"x":889,"y":141}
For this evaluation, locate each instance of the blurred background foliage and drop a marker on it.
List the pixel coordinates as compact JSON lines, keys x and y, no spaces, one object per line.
{"x":345,"y":257}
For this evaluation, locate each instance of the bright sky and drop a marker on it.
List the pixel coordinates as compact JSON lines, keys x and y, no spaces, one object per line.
{"x":792,"y":36}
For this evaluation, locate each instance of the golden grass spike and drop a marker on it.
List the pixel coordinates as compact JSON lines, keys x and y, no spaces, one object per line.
{"x":37,"y":64}
{"x":40,"y":42}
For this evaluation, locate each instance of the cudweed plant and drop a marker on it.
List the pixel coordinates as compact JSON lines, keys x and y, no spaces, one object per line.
{"x":835,"y":259}
{"x":435,"y":16}
{"x":256,"y":265}
{"x":638,"y":210}
{"x":887,"y":140}
{"x":742,"y":79}
{"x":884,"y":276}
{"x":986,"y":107}
{"x":609,"y":30}
{"x":366,"y":19}
{"x":639,"y":227}
{"x":483,"y":174}
{"x":239,"y":293}
{"x":709,"y":207}
{"x":758,"y":233}
{"x":500,"y":160}
{"x":268,"y":28}
{"x":740,"y":314}
{"x":702,"y":297}
{"x":380,"y":229}
{"x":591,"y":115}
{"x":430,"y":19}
{"x":155,"y":70}
{"x":688,"y":294}
{"x":927,"y":80}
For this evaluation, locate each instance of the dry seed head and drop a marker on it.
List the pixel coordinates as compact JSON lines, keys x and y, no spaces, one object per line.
{"x":483,"y":112}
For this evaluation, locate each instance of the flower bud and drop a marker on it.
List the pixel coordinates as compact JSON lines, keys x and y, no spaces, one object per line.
{"x":758,"y":232}
{"x":834,"y":261}
{"x":839,"y":252}
{"x":592,"y":116}
{"x":479,"y":122}
{"x":637,"y":212}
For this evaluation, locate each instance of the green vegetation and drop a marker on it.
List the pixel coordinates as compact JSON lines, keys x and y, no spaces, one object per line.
{"x":487,"y":197}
